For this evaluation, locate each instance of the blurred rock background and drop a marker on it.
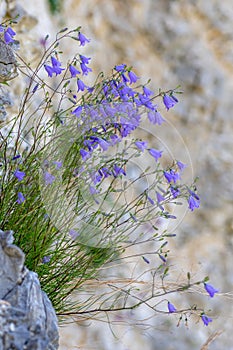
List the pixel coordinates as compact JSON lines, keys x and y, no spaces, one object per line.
{"x":187,"y":43}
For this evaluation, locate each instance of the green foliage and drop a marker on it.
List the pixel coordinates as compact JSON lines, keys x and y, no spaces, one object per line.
{"x":77,"y":211}
{"x":55,"y":6}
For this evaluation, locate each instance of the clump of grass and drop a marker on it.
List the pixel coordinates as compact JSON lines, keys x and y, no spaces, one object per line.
{"x":69,"y":191}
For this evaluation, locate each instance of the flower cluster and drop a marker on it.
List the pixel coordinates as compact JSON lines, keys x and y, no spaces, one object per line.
{"x":117,"y":116}
{"x":211,"y":291}
{"x":83,"y":61}
{"x":83,"y":163}
{"x":55,"y":68}
{"x":9,"y":34}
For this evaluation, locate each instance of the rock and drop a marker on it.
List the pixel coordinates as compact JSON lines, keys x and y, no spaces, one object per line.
{"x":27,"y":318}
{"x":8,"y":71}
{"x":5,"y":100}
{"x":7,"y":62}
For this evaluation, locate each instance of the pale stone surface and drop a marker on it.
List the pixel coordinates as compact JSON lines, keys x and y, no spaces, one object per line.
{"x":7,"y":62}
{"x":8,"y":71}
{"x":5,"y":100}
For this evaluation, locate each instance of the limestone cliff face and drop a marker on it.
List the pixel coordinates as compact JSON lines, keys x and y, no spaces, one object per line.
{"x":187,"y":43}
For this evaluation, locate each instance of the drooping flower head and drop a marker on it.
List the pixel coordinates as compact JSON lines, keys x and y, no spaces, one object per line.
{"x":120,"y":68}
{"x":84,"y":154}
{"x":48,"y":178}
{"x":19,"y":174}
{"x":103,"y":144}
{"x":174,"y":191}
{"x":96,"y":177}
{"x":147,"y":92}
{"x":181,"y":165}
{"x":55,"y":68}
{"x":132,"y":77}
{"x":73,"y":71}
{"x":55,"y":62}
{"x":155,"y":153}
{"x":105,"y":172}
{"x":169,"y":101}
{"x":85,"y":69}
{"x":21,"y":198}
{"x":155,"y":117}
{"x":144,"y":101}
{"x":83,"y":40}
{"x":77,"y":111}
{"x":84,"y":59}
{"x":160,"y":197}
{"x":171,"y":176}
{"x":210,"y":289}
{"x":81,"y":85}
{"x":171,"y":307}
{"x":124,"y":78}
{"x":118,"y":171}
{"x":8,"y":35}
{"x":193,"y":200}
{"x":142,"y":145}
{"x":206,"y":320}
{"x":49,"y":70}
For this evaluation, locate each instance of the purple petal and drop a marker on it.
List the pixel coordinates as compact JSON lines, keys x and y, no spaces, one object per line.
{"x":132,"y":77}
{"x":193,"y":203}
{"x":83,"y":40}
{"x":169,"y":101}
{"x":171,"y":307}
{"x":210,"y":289}
{"x":49,"y":70}
{"x":55,"y":62}
{"x":77,"y":111}
{"x":19,"y":174}
{"x":7,"y":37}
{"x":21,"y":198}
{"x":48,"y":178}
{"x":85,"y":59}
{"x":73,"y":71}
{"x":155,"y":153}
{"x":120,"y":68}
{"x":206,"y":320}
{"x":10,"y":31}
{"x":181,"y":165}
{"x":142,"y":145}
{"x":73,"y":233}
